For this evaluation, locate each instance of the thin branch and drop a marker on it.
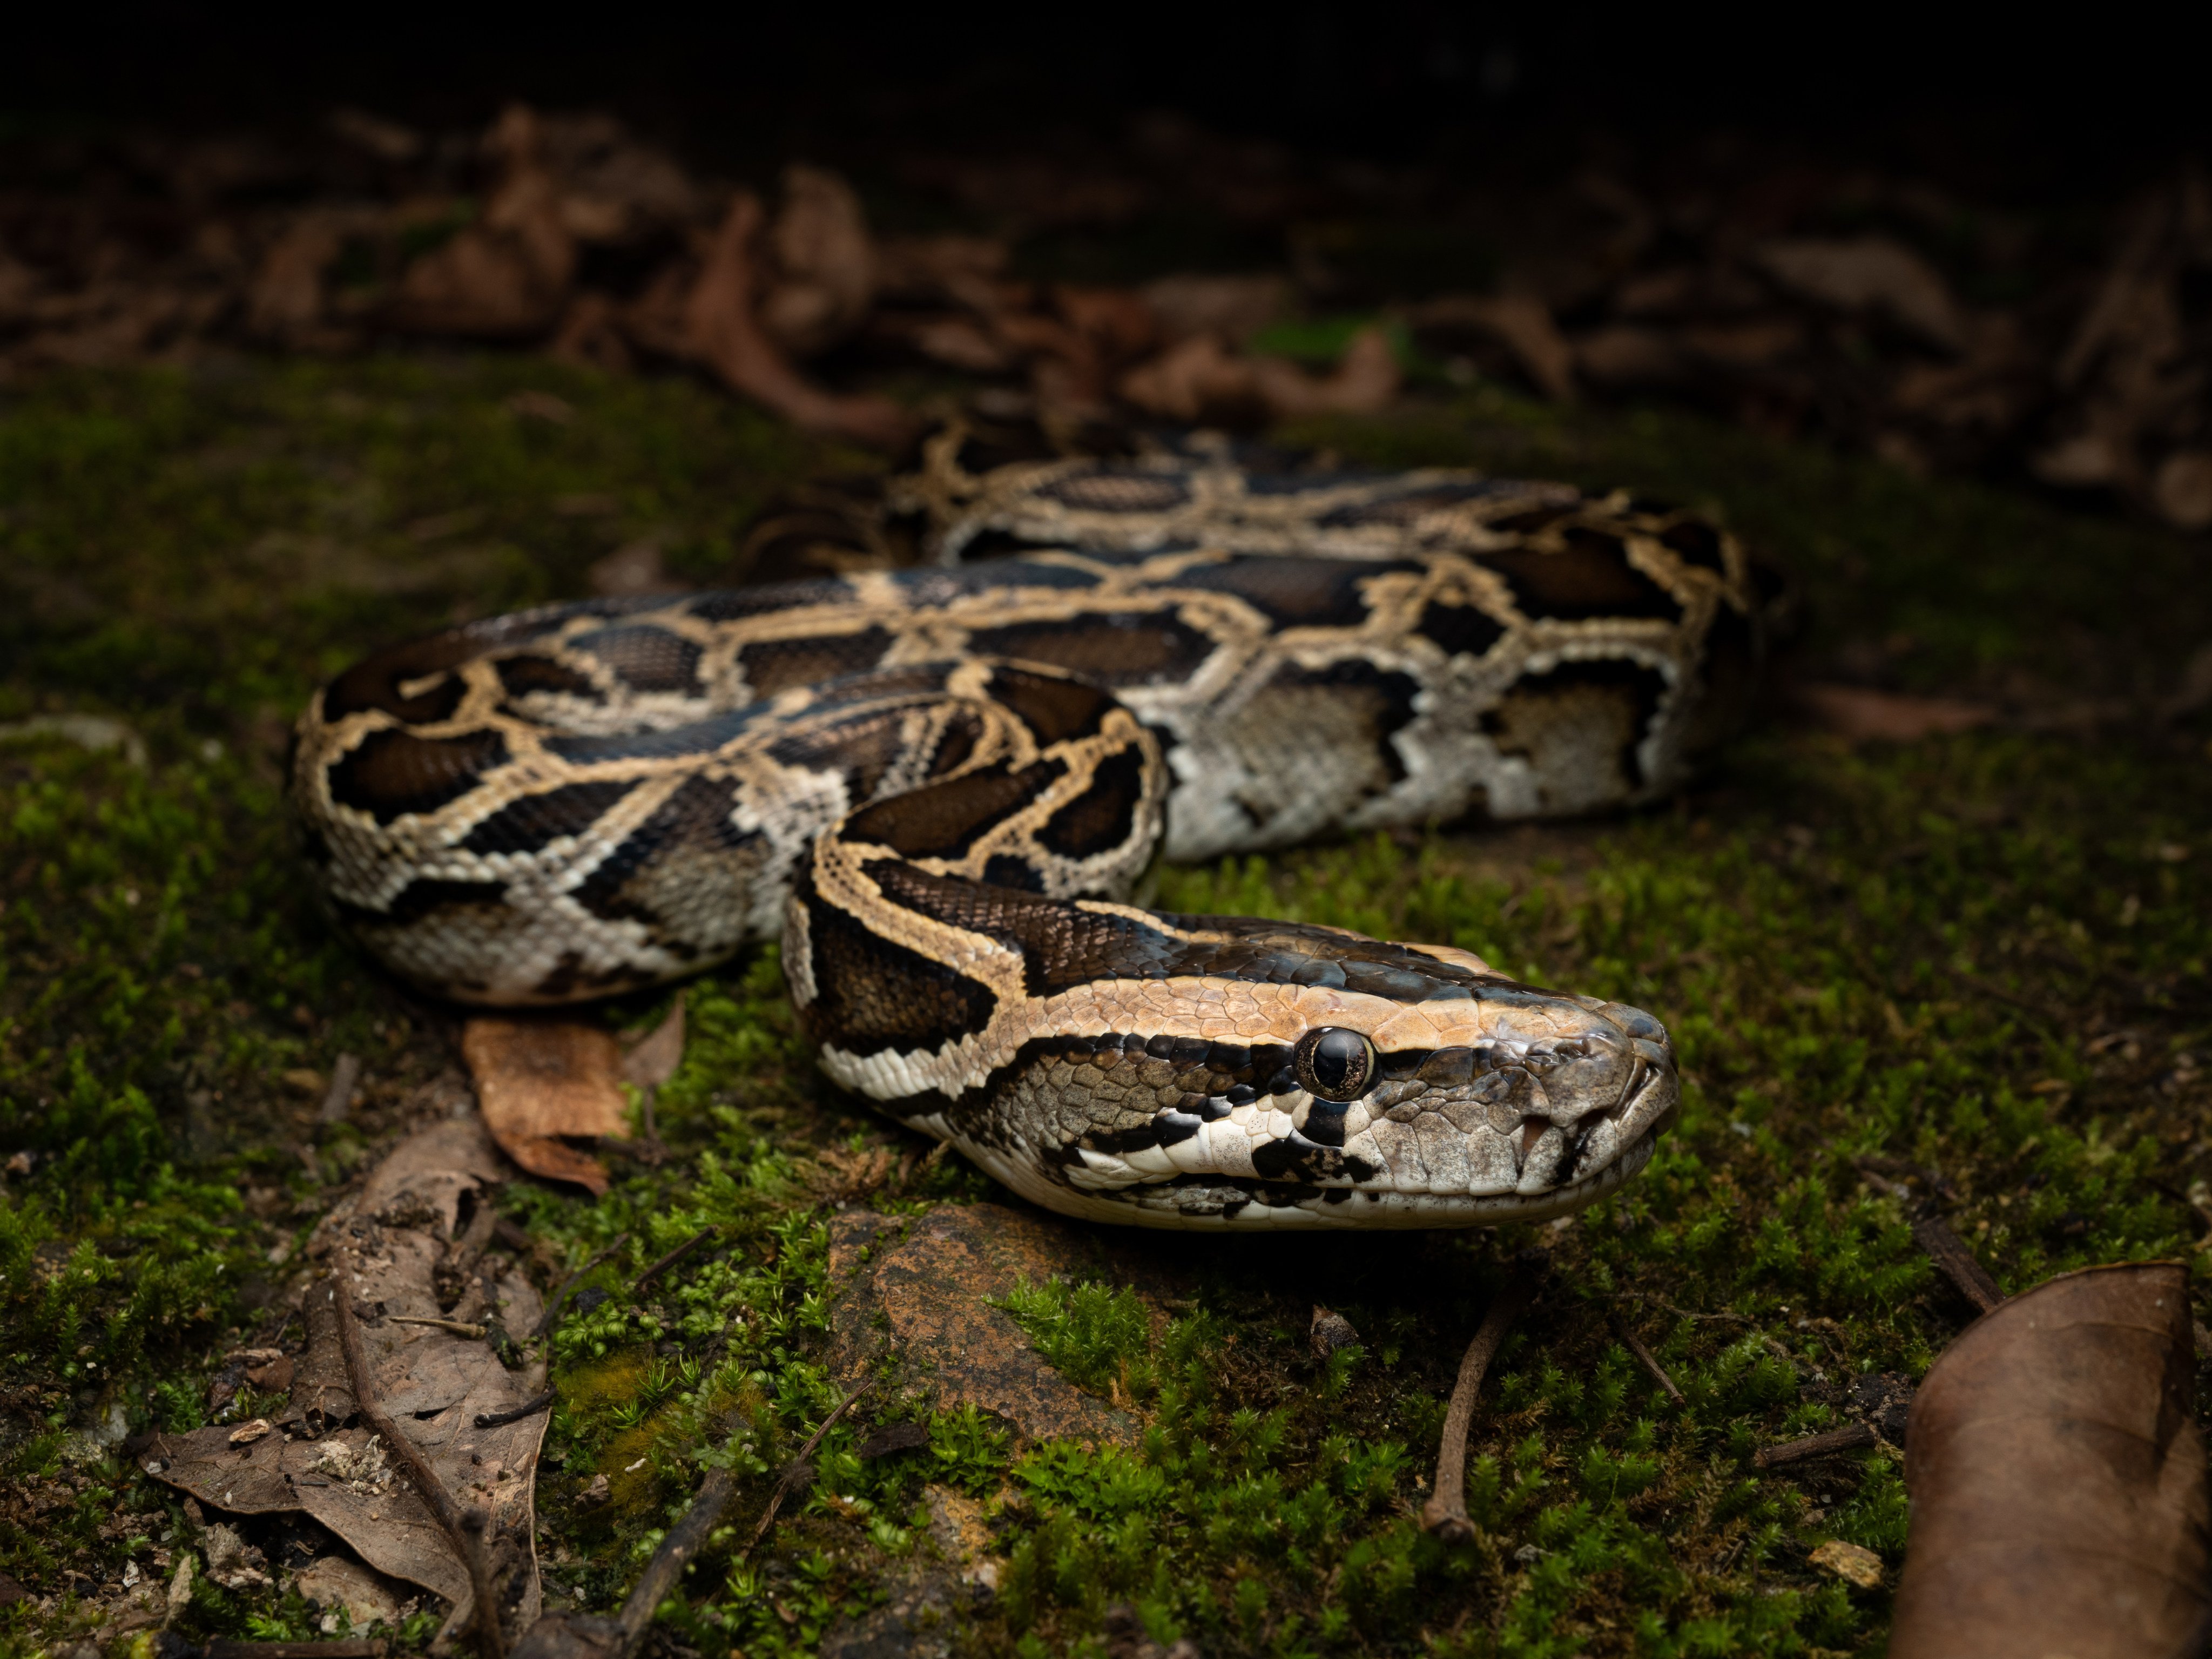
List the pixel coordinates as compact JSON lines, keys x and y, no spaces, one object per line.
{"x":1855,"y":1437}
{"x":1445,"y":1513}
{"x":1684,"y":1313}
{"x":552,"y":1314}
{"x":457,"y":1327}
{"x":484,"y":1617}
{"x":587,"y":1636}
{"x":1950,"y":1253}
{"x":528,"y":1408}
{"x":673,"y":1257}
{"x":793,"y":1469}
{"x":1647,"y":1359}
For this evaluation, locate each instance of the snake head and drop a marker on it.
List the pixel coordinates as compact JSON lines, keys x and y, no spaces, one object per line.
{"x":1259,"y":1074}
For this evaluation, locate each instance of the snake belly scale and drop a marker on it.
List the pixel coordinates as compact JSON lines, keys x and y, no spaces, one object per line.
{"x":940,"y":786}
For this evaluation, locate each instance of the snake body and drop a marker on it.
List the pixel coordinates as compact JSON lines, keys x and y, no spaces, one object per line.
{"x":940,"y":787}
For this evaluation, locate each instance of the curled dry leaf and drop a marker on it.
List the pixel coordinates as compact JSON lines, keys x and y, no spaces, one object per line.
{"x":387,"y":1244}
{"x":1520,"y":323}
{"x":1870,"y":274}
{"x":1198,"y":380}
{"x":2057,"y":1478}
{"x":1865,"y":715}
{"x":825,"y":261}
{"x":719,"y":328}
{"x":509,"y":273}
{"x":541,"y":1081}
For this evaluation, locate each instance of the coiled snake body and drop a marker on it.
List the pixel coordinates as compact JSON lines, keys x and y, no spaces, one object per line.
{"x":940,"y":786}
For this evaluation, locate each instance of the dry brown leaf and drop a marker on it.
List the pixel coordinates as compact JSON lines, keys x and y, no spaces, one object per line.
{"x":2057,"y":1478}
{"x":2182,"y":488}
{"x":390,"y":1240}
{"x":1628,"y":355}
{"x":1365,"y":379}
{"x":719,"y":330}
{"x":653,"y":1060}
{"x":541,"y":1081}
{"x":509,"y":274}
{"x":1874,"y":274}
{"x":1520,"y":323}
{"x":1233,"y":309}
{"x":825,"y":261}
{"x":1195,"y":381}
{"x":1865,"y":715}
{"x":1198,"y":380}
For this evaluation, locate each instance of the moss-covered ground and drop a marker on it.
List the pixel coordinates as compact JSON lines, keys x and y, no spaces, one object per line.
{"x":1981,"y":956}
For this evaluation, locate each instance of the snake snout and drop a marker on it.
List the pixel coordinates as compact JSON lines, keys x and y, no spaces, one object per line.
{"x":1605,"y":1090}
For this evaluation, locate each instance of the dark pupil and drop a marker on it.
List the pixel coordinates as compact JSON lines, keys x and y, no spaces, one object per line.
{"x":1339,"y":1062}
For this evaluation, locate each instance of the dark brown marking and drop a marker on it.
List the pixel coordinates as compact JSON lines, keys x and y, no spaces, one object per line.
{"x":735,"y":603}
{"x":1055,"y":709}
{"x":1698,"y":544}
{"x":1728,"y":679}
{"x":944,"y":820}
{"x":649,"y":659}
{"x":873,"y":995}
{"x":1403,"y":508}
{"x":390,"y":774}
{"x":1063,"y":945}
{"x":1295,"y":592}
{"x":529,"y":822}
{"x":520,"y":675}
{"x":1104,"y":816}
{"x":422,"y":897}
{"x":1115,"y":648}
{"x":774,"y":666}
{"x":698,"y":815}
{"x":1590,"y":576}
{"x":1460,"y":629}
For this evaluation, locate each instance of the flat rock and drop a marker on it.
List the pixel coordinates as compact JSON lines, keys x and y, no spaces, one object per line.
{"x":924,"y":1288}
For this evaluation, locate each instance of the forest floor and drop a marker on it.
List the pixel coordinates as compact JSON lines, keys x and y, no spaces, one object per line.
{"x":1974,"y":967}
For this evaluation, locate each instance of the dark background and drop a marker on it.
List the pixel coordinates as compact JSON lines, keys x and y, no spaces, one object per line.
{"x":2008,"y":109}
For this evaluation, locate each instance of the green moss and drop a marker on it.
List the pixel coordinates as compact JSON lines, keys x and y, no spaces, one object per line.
{"x":1982,"y":955}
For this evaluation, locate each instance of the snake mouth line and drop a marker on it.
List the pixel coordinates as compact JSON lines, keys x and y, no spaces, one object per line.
{"x":1208,"y":1203}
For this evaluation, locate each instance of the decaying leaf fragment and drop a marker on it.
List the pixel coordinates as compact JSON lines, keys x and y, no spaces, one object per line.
{"x":2057,"y":1478}
{"x":388,"y":1245}
{"x":541,"y":1081}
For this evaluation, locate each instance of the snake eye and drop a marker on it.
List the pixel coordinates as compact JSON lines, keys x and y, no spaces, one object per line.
{"x":1333,"y":1063}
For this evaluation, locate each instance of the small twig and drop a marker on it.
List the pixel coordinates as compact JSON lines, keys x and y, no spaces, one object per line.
{"x":478,"y":1562}
{"x":1855,"y":1437}
{"x":1950,"y":1253}
{"x":484,"y":1616}
{"x":337,"y":1099}
{"x":528,"y":1408}
{"x":1684,"y":1313}
{"x":552,"y":1314}
{"x":353,"y":1647}
{"x":458,"y":1328}
{"x":793,"y":1470}
{"x":1644,"y":1357}
{"x":1445,"y":1513}
{"x":673,"y":1257}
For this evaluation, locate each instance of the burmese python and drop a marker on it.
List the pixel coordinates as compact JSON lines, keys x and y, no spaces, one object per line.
{"x":939,"y":785}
